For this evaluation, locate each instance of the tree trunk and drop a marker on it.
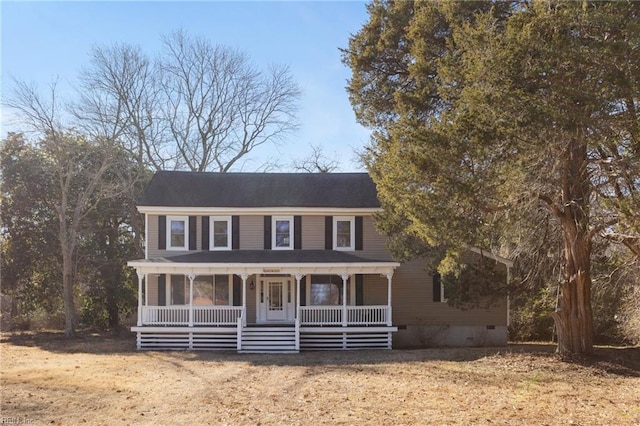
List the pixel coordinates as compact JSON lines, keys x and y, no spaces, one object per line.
{"x":573,"y":316}
{"x":67,"y":292}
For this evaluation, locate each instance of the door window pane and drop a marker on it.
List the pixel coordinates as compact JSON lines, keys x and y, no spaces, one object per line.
{"x":275,"y":297}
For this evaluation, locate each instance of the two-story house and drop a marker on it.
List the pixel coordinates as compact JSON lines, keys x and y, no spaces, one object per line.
{"x":261,"y":262}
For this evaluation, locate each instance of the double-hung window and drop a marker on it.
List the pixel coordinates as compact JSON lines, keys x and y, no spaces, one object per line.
{"x":326,"y":290}
{"x":220,"y":232}
{"x":282,"y":232}
{"x":177,"y":233}
{"x":212,"y":290}
{"x":344,"y":233}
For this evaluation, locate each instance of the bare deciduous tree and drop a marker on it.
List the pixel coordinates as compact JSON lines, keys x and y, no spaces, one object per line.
{"x":316,"y":162}
{"x":118,"y":98}
{"x":198,"y":106}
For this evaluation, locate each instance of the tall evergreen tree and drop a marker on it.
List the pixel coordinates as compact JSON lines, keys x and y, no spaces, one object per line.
{"x":486,"y":113}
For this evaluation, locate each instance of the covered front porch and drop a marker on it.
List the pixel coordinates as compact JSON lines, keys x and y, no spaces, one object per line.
{"x":264,"y":301}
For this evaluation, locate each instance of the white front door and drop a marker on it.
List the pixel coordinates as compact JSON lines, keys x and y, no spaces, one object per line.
{"x":276,"y":300}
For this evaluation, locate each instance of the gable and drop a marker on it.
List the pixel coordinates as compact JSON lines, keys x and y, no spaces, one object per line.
{"x":243,"y":190}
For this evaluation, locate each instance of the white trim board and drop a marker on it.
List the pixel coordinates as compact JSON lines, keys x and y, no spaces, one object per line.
{"x":258,"y":211}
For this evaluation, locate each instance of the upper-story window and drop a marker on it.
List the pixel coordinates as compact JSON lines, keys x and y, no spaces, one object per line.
{"x":282,"y":232}
{"x":220,"y":232}
{"x":177,"y":232}
{"x":344,"y":233}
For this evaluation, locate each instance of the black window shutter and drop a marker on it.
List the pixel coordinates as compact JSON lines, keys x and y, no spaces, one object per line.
{"x":359,"y":289}
{"x":205,"y":232}
{"x":162,"y":232}
{"x":303,"y":293}
{"x":437,"y":296}
{"x":297,"y":232}
{"x":328,"y":233}
{"x":235,"y":232}
{"x":358,"y":232}
{"x":237,"y":291}
{"x":267,"y":232}
{"x":193,"y":233}
{"x":162,"y":290}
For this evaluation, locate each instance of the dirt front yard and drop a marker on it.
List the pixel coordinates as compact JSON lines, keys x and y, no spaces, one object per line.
{"x":47,"y":379}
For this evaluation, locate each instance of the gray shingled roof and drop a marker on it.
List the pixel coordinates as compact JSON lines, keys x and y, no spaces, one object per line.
{"x":192,"y":189}
{"x":267,"y":257}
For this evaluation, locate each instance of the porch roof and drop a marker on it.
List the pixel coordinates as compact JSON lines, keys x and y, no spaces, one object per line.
{"x":265,"y":261}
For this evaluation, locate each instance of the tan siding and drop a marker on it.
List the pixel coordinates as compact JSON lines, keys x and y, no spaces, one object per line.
{"x":312,"y":232}
{"x":375,"y":290}
{"x":413,"y":302}
{"x":152,"y":288}
{"x":251,"y":299}
{"x":251,"y":232}
{"x":373,"y":244}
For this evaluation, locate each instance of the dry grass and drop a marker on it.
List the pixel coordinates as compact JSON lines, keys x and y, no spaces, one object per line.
{"x":49,"y":379}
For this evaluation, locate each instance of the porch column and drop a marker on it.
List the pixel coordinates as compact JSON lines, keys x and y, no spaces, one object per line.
{"x":191,"y":278}
{"x":389,"y":313}
{"x":141,"y":277}
{"x":345,"y":277}
{"x":298,"y":279}
{"x":146,"y":289}
{"x":244,"y":299}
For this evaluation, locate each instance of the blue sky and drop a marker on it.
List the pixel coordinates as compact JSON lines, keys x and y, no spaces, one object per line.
{"x":44,"y":41}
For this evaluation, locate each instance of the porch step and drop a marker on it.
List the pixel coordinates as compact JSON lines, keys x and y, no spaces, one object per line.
{"x":268,"y":340}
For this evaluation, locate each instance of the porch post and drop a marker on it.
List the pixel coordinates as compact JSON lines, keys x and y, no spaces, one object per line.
{"x":146,"y":289}
{"x":191,"y":277}
{"x":389,"y":313}
{"x":298,"y":279}
{"x":140,"y":278}
{"x":345,"y":277}
{"x":244,"y":299}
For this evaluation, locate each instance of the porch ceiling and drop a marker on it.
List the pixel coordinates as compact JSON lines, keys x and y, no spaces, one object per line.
{"x":249,"y":262}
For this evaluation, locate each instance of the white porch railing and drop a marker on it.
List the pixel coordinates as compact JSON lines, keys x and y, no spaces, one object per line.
{"x":165,"y":315}
{"x":216,"y":315}
{"x":367,"y":315}
{"x":228,"y":315}
{"x":320,"y":315}
{"x":332,"y":315}
{"x":179,"y":315}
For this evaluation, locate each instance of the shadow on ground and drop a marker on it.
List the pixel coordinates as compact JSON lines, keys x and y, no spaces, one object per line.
{"x":623,"y":361}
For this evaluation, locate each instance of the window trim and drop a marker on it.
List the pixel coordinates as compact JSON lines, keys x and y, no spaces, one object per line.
{"x":184,"y":219}
{"x":352,"y":230}
{"x":274,"y":220}
{"x":443,"y":297}
{"x":440,"y":283}
{"x":212,"y":241}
